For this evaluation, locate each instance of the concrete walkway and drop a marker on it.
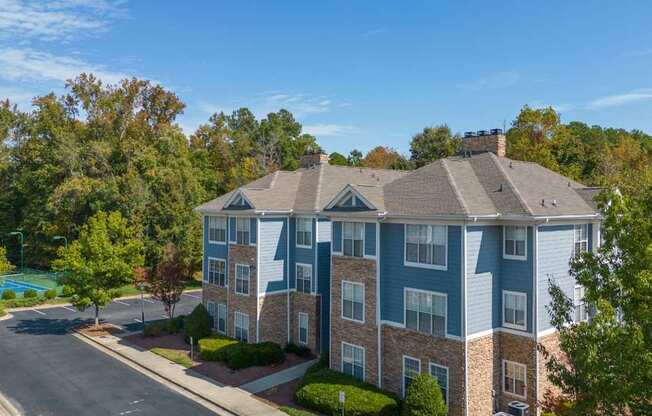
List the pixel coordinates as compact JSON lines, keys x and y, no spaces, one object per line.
{"x":276,"y":379}
{"x":232,"y":400}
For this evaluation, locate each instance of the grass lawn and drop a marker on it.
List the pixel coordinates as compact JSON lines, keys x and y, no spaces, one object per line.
{"x":174,"y":356}
{"x":296,"y":412}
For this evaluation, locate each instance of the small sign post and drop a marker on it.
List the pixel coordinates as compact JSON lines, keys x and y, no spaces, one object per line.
{"x":192,"y":349}
{"x":342,"y":400}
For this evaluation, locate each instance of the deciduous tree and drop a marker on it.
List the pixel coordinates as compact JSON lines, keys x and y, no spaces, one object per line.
{"x":5,"y":266}
{"x":167,"y":281}
{"x":433,"y":143}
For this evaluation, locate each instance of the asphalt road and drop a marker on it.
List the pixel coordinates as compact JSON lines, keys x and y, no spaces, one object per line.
{"x":46,"y":371}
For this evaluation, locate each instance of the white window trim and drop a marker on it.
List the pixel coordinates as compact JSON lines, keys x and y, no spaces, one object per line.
{"x":296,"y":230}
{"x":226,"y":230}
{"x":507,"y":324}
{"x":582,"y":302}
{"x":511,"y":256}
{"x":303,"y":314}
{"x":503,"y":379}
{"x":448,"y":374}
{"x":235,"y":241}
{"x":235,"y":279}
{"x":403,"y":371}
{"x":208,"y":271}
{"x":575,"y":240}
{"x":428,"y":292}
{"x":364,"y":237}
{"x":425,"y":265}
{"x":235,"y":326}
{"x":296,"y":269}
{"x":364,"y":303}
{"x":226,"y":319}
{"x":364,"y":358}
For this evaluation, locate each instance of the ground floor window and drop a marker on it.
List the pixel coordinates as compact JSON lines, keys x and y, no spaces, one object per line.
{"x":514,"y":378}
{"x":241,"y":327}
{"x":210,"y":307}
{"x":353,"y":360}
{"x":411,"y":369}
{"x":440,"y":373}
{"x":221,"y":318}
{"x":303,"y":328}
{"x":581,"y":313}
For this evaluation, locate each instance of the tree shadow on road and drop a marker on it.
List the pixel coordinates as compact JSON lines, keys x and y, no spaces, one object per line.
{"x":45,"y":326}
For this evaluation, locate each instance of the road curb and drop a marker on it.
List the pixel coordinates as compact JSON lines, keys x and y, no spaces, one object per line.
{"x":148,"y":371}
{"x":6,"y":317}
{"x":7,"y":407}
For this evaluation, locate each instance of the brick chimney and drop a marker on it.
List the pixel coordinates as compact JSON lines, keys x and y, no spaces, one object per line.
{"x":312,"y":158}
{"x":484,"y":141}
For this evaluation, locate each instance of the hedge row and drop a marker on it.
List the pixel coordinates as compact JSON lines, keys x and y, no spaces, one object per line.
{"x":166,"y":327}
{"x":10,"y":295}
{"x":237,"y":355}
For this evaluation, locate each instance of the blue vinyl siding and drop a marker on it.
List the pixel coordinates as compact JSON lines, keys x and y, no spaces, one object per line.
{"x":516,"y":276}
{"x":300,"y":254}
{"x":370,"y":239}
{"x":483,"y":250}
{"x":232,"y":230}
{"x":273,"y":254}
{"x":253,"y":231}
{"x":219,"y":251}
{"x":395,"y":276}
{"x":337,"y":236}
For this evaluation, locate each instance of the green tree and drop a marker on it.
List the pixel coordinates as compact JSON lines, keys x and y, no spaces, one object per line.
{"x":606,"y":367}
{"x":338,"y":159}
{"x":355,"y":158}
{"x":167,"y":281}
{"x":433,"y":143}
{"x":424,"y":398}
{"x":102,"y":260}
{"x":5,"y":266}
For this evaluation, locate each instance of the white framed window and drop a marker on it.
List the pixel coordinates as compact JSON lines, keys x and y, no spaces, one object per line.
{"x":581,"y":312}
{"x":304,"y":278}
{"x":353,"y":360}
{"x":304,"y":232}
{"x":353,"y":301}
{"x":515,"y":379}
{"x":426,"y":245}
{"x":210,"y":307}
{"x":217,"y":272}
{"x":241,"y":326}
{"x":303,"y":328}
{"x":515,"y":242}
{"x":426,"y":311}
{"x":581,"y":238}
{"x":411,"y":369}
{"x":220,"y":325}
{"x":242,"y":275}
{"x":440,"y":373}
{"x":217,"y":230}
{"x":243,"y":234}
{"x":514,"y":310}
{"x":353,"y":239}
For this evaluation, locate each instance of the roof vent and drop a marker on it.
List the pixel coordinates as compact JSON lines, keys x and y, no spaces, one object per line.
{"x":500,"y":188}
{"x":511,"y":166}
{"x":554,"y":202}
{"x":543,"y":202}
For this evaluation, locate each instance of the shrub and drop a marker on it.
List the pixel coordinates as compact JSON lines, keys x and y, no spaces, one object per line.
{"x":22,"y":303}
{"x":424,"y":398}
{"x":198,"y":324}
{"x":50,"y":294}
{"x":8,"y":294}
{"x":237,"y":355}
{"x":319,"y":391}
{"x":30,"y":294}
{"x":169,"y":326}
{"x":2,"y":311}
{"x":215,"y":348}
{"x":300,"y":350}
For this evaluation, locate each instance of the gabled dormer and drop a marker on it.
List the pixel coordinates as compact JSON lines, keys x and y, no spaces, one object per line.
{"x":238,"y":201}
{"x":350,"y":199}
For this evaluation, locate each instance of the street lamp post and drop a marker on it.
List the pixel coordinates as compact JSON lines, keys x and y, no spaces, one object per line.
{"x":61,"y":237}
{"x":22,"y":252}
{"x":141,"y":286}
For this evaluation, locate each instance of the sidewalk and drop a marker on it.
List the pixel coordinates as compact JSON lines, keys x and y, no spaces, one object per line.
{"x":282,"y":377}
{"x":232,"y":400}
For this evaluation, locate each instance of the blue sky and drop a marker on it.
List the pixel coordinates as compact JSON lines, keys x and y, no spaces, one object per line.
{"x":356,"y":74}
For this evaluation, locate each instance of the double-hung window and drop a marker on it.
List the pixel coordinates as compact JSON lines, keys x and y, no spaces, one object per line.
{"x":242,"y":230}
{"x":304,"y":278}
{"x":515,"y":242}
{"x":581,"y":313}
{"x":411,"y":369}
{"x":425,"y":312}
{"x":242,"y":279}
{"x":353,"y":239}
{"x":303,"y":328}
{"x":353,"y":360}
{"x":440,"y":373}
{"x":514,"y":378}
{"x":426,"y":245}
{"x":210,"y":307}
{"x":353,"y":301}
{"x":304,"y":232}
{"x":217,"y":230}
{"x":217,"y":272}
{"x":514,"y":310}
{"x":581,"y":240}
{"x":221,"y":318}
{"x":241,"y":327}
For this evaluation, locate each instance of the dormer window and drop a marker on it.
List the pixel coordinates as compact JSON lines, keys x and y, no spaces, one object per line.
{"x":515,"y":242}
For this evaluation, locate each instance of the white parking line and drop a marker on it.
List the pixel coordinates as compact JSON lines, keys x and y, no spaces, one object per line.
{"x":192,"y":296}
{"x":121,"y":302}
{"x":39,"y":312}
{"x":148,"y":301}
{"x":69,"y":309}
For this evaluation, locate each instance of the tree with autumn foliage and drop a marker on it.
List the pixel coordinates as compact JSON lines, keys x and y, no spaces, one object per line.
{"x":168,"y":278}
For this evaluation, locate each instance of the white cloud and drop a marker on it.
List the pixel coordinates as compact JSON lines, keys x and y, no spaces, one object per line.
{"x":620,"y":99}
{"x":300,"y":105}
{"x":494,"y":81}
{"x":329,"y":130}
{"x":21,"y":97}
{"x":30,"y":65}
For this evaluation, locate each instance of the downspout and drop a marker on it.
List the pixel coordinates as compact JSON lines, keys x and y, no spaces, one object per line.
{"x":464,"y":323}
{"x":287,"y":271}
{"x":535,"y":306}
{"x":378,"y":324}
{"x":257,"y":280}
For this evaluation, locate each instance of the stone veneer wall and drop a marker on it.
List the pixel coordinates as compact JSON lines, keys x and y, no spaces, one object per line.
{"x":273,"y":318}
{"x":342,"y":330}
{"x":523,"y":351}
{"x":484,"y":374}
{"x":397,"y":342}
{"x":307,"y":303}
{"x":242,"y":254}
{"x":546,"y":390}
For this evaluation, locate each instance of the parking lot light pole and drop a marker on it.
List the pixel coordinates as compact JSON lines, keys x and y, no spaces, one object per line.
{"x":61,"y":237}
{"x":22,"y":251}
{"x":141,"y":286}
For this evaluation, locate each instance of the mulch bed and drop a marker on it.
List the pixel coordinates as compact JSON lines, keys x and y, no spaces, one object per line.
{"x":101,"y":330}
{"x":215,"y":370}
{"x":281,"y":395}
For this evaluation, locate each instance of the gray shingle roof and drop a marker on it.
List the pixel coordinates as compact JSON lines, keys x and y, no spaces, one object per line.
{"x":481,"y":185}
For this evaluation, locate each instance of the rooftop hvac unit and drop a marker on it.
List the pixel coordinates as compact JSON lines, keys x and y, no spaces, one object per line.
{"x":469,"y":134}
{"x":517,"y":408}
{"x":502,"y":414}
{"x":483,"y":133}
{"x":496,"y":131}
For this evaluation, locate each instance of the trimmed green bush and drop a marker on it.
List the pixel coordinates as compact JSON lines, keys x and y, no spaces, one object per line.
{"x":50,"y":294}
{"x":30,"y":294}
{"x":237,"y":355}
{"x":198,"y":324}
{"x":215,"y":348}
{"x":21,"y":303}
{"x":319,"y":390}
{"x":424,"y":398}
{"x":169,"y":326}
{"x":300,"y":350}
{"x":8,"y":294}
{"x":2,"y":311}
